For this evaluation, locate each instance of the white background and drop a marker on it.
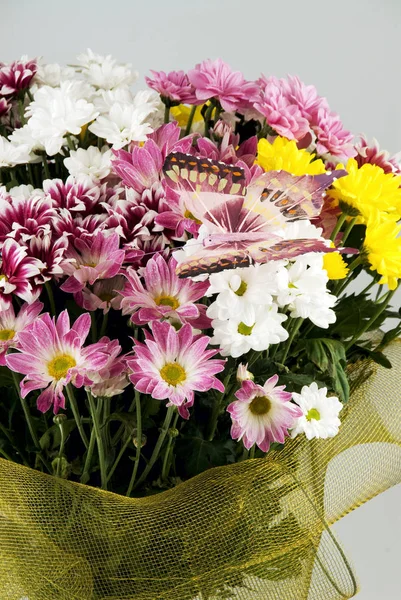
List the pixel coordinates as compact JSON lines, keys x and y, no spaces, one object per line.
{"x":351,"y":50}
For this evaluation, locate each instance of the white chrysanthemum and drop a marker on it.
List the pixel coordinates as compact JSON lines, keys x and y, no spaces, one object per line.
{"x":52,"y":75}
{"x":92,"y":162}
{"x":13,"y":154}
{"x":25,"y":191}
{"x":260,"y":328}
{"x":56,"y":112}
{"x":123,"y":124}
{"x":320,"y":413}
{"x":104,"y":99}
{"x":238,"y":288}
{"x":303,"y":290}
{"x":103,"y":72}
{"x":23,"y":136}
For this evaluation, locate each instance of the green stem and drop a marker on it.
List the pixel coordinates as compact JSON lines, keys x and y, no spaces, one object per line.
{"x":61,"y":449}
{"x":348,"y":230}
{"x":26,"y":410}
{"x":120,"y":454}
{"x":89,"y":453}
{"x":51,"y":298}
{"x":208,"y":116}
{"x":339,"y":224}
{"x":217,"y":406}
{"x":252,"y":451}
{"x":166,"y":114}
{"x":139,"y":442}
{"x":104,"y":325}
{"x":46,"y":167}
{"x":99,"y":440}
{"x":190,"y":120}
{"x":381,"y":307}
{"x":5,"y":455}
{"x":21,"y":112}
{"x":29,"y":421}
{"x":379,"y":291}
{"x":294,"y":327}
{"x":30,"y":175}
{"x":77,"y":416}
{"x":70,"y":142}
{"x":166,"y":460}
{"x":159,"y":443}
{"x":29,"y":94}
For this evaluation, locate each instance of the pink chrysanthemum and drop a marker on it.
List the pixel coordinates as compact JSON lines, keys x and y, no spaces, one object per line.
{"x":17,"y":76}
{"x":262,"y":414}
{"x":215,"y":79}
{"x":372,"y":154}
{"x":142,"y":167}
{"x":174,"y":87}
{"x":51,"y":355}
{"x":331,"y":136}
{"x":163,"y":295}
{"x":113,"y":377}
{"x":11,"y":326}
{"x":284,"y":116}
{"x":103,"y":295}
{"x":173,"y":365}
{"x":95,"y":257}
{"x":16,"y":273}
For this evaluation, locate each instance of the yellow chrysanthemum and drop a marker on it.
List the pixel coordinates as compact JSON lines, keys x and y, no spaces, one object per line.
{"x":284,"y":154}
{"x":367,"y":188}
{"x":383,"y":248}
{"x":335,"y":266}
{"x":181,"y":114}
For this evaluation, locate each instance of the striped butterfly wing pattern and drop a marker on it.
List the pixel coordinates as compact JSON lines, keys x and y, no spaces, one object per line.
{"x":241,"y":221}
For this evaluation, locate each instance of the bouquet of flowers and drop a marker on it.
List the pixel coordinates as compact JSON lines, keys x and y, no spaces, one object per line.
{"x":174,"y":296}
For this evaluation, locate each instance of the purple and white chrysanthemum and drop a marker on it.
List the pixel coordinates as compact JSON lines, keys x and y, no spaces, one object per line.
{"x":51,"y":355}
{"x":16,"y":274}
{"x":11,"y":325}
{"x":17,"y":76}
{"x":173,"y":87}
{"x":163,"y":295}
{"x":262,"y":415}
{"x":172,"y":365}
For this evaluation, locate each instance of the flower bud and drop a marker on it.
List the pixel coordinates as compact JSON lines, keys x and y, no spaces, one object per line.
{"x":59,"y":419}
{"x":144,"y":439}
{"x":243,"y":374}
{"x":173,"y":432}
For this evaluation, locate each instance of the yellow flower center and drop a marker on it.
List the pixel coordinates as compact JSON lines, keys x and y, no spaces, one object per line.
{"x":6,"y":334}
{"x":173,"y":373}
{"x":245,"y":329}
{"x":242,"y":288}
{"x":189,"y":215}
{"x":313,"y":413}
{"x":3,"y":277}
{"x":167,"y":301}
{"x":60,"y":365}
{"x":260,"y":405}
{"x":105,"y":297}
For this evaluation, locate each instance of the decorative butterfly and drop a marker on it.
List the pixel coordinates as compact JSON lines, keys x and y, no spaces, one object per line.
{"x":243,"y":223}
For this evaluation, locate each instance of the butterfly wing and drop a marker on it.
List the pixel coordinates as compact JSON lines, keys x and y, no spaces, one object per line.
{"x":290,"y":249}
{"x":203,"y":184}
{"x":280,"y":196}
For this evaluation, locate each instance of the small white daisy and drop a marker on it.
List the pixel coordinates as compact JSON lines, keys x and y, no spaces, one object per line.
{"x":320,"y":413}
{"x":255,"y":330}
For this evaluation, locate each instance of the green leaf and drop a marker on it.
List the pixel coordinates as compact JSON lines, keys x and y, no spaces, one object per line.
{"x":329,"y":357}
{"x":6,"y":379}
{"x":353,"y":312}
{"x":199,"y":454}
{"x":375,"y":355}
{"x":51,"y":439}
